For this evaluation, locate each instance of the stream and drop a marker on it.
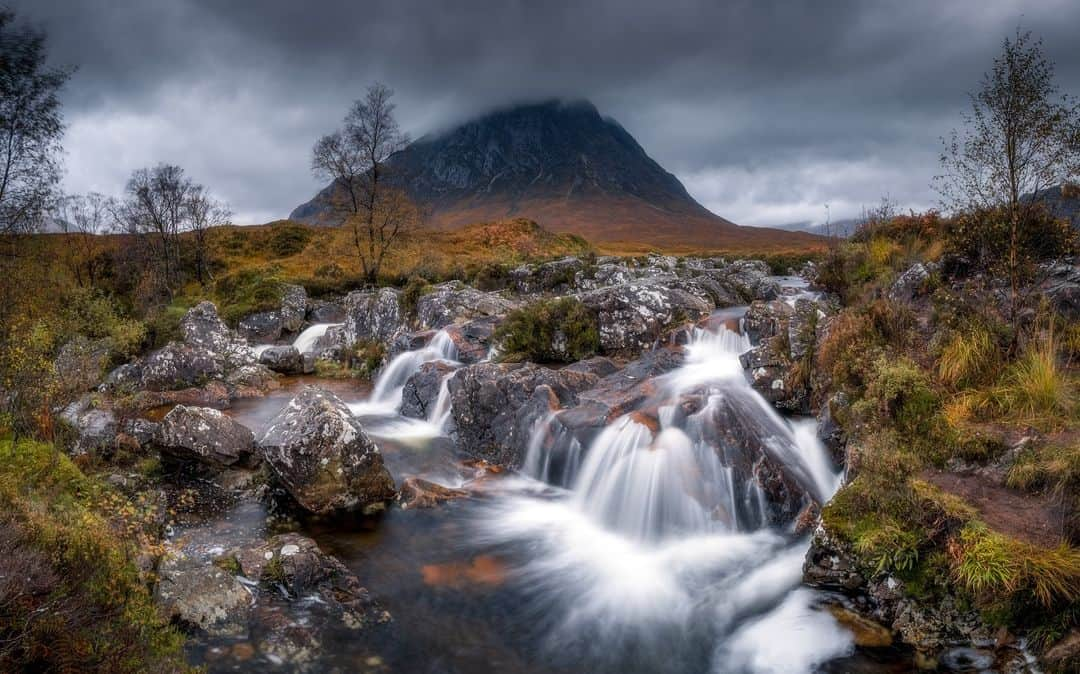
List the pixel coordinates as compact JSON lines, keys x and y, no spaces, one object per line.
{"x":643,"y":552}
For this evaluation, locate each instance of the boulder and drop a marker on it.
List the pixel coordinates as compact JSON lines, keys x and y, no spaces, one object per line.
{"x":93,"y":428}
{"x":263,"y":327}
{"x":332,"y":344}
{"x":419,"y":493}
{"x":488,"y":402}
{"x":373,"y":316}
{"x":80,"y":364}
{"x":201,"y":596}
{"x":282,"y":359}
{"x":604,"y":275}
{"x":830,"y":564}
{"x":174,"y":366}
{"x":205,"y":435}
{"x":750,"y":279}
{"x":473,"y":339}
{"x":323,"y":457}
{"x":422,"y":389}
{"x":293,"y":307}
{"x":632,"y":316}
{"x":203,"y":329}
{"x":325,"y":312}
{"x":910,"y":284}
{"x":1061,"y":285}
{"x":781,"y":362}
{"x":453,"y":303}
{"x":558,"y":275}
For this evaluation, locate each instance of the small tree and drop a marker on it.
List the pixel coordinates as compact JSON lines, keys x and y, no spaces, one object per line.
{"x":30,"y":127}
{"x":204,"y":212}
{"x":85,"y":219}
{"x":1021,"y":137}
{"x":354,"y":159}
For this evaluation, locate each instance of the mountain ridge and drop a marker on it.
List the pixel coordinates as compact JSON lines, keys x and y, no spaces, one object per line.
{"x":564,"y":165}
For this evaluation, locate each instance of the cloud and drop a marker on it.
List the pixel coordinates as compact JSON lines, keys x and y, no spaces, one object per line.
{"x":764,"y":109}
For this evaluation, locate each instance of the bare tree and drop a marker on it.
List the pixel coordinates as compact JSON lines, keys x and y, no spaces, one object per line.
{"x":1021,"y":137}
{"x":30,"y":127}
{"x":354,"y":159}
{"x":85,"y":219}
{"x":155,"y":208}
{"x":204,"y":212}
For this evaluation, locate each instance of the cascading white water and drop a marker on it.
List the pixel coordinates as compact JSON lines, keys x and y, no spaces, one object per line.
{"x":664,"y":528}
{"x":305,"y":341}
{"x":385,"y":398}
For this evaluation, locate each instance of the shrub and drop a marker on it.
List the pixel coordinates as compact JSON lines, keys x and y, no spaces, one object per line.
{"x":288,"y":239}
{"x":899,"y":394}
{"x":982,"y":237}
{"x":416,"y":287}
{"x":557,"y":330}
{"x":72,"y":598}
{"x":247,"y":292}
{"x":969,"y":358}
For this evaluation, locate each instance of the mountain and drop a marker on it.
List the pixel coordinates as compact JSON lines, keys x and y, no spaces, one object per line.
{"x":1062,"y":201}
{"x":840,"y":228}
{"x":565,"y":166}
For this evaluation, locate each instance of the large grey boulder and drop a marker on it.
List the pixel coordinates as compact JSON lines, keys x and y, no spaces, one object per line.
{"x":556,"y":276}
{"x":911,"y":283}
{"x":80,"y":364}
{"x":262,"y":327}
{"x":174,"y":366}
{"x":282,"y":359}
{"x":373,"y":316}
{"x":319,"y":451}
{"x":453,"y":302}
{"x":293,"y":307}
{"x":631,"y":317}
{"x":203,"y":329}
{"x":325,"y":312}
{"x":490,"y":410}
{"x":1061,"y":285}
{"x":205,"y":435}
{"x":92,"y":428}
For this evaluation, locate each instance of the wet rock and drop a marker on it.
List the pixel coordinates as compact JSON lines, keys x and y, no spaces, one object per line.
{"x":473,"y":338}
{"x":453,"y":303}
{"x":202,"y":596}
{"x":295,"y":564}
{"x":422,"y":389}
{"x":487,"y":400}
{"x":749,"y":279}
{"x":912,"y":282}
{"x":205,"y":435}
{"x":323,"y":457}
{"x":604,"y":275}
{"x":829,"y":431}
{"x":263,"y":327}
{"x":250,"y":381}
{"x":781,"y":363}
{"x":631,"y":317}
{"x":1064,"y":653}
{"x":325,"y":312}
{"x":293,"y":307}
{"x":419,"y":493}
{"x":830,"y":564}
{"x":332,"y":344}
{"x":137,"y":434}
{"x":373,"y":316}
{"x":80,"y":364}
{"x":866,"y":632}
{"x":283,"y":359}
{"x":91,"y":426}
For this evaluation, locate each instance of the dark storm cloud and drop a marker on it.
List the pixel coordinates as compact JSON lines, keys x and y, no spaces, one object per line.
{"x":766,"y":111}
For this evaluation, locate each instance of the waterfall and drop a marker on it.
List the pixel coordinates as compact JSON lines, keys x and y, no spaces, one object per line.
{"x":305,"y":341}
{"x":392,"y":380}
{"x":663,"y":528}
{"x":439,"y":414}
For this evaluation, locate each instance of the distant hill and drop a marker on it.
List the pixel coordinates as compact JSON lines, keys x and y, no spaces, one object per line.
{"x":565,"y":166}
{"x":841,"y":228}
{"x":1063,"y":202}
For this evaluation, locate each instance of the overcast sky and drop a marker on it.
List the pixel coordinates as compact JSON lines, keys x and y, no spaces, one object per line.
{"x":766,"y":111}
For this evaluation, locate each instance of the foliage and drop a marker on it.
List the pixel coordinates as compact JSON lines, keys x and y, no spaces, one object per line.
{"x":558,"y":330}
{"x":248,"y":291}
{"x":969,"y":357}
{"x":367,"y":357}
{"x":289,"y":239}
{"x":416,"y":287}
{"x":30,"y":124}
{"x":70,"y":595}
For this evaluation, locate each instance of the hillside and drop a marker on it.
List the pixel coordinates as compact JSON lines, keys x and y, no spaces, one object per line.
{"x":565,"y":166}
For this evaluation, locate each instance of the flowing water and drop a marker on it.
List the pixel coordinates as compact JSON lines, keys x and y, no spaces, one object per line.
{"x":647,"y":549}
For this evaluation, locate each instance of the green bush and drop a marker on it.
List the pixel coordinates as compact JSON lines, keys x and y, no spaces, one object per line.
{"x":71,"y":595}
{"x":247,"y":292}
{"x":558,"y":330}
{"x":288,"y":239}
{"x":416,"y":287}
